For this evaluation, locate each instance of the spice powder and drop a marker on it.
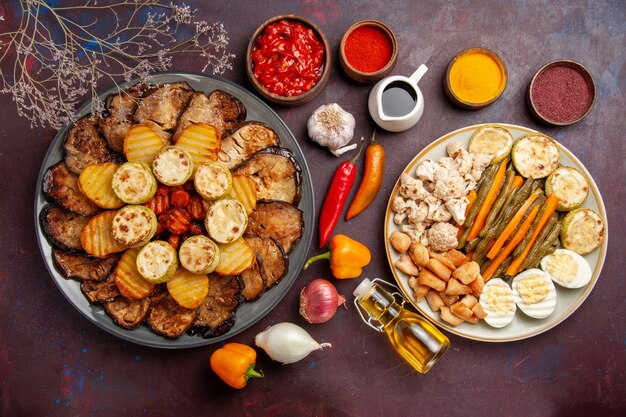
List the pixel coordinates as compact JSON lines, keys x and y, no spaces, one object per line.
{"x":368,"y":49}
{"x":561,"y":94}
{"x":476,"y":77}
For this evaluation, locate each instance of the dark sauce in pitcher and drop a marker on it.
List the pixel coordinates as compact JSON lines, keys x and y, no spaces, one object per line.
{"x":398,"y":99}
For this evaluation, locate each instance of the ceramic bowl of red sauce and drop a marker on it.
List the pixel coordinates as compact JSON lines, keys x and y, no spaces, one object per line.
{"x":368,"y":51}
{"x":288,"y":60}
{"x":561,"y":93}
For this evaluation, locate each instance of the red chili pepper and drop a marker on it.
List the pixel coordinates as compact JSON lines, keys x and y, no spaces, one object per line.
{"x":335,"y":200}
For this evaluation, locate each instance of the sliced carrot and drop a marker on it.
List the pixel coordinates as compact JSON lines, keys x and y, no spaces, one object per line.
{"x":515,"y":240}
{"x":483,"y":211}
{"x":510,"y":228}
{"x":552,"y":203}
{"x":517,"y":182}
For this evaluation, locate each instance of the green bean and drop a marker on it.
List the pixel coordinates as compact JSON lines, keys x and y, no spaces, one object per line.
{"x":538,"y":183}
{"x":518,"y":199}
{"x":472,"y":244}
{"x":484,"y":265}
{"x":539,"y":201}
{"x":489,"y":174}
{"x":541,"y":246}
{"x":483,"y":244}
{"x":463,"y":239}
{"x":479,"y":257}
{"x":497,"y":205}
{"x":503,"y":266}
{"x":522,"y":245}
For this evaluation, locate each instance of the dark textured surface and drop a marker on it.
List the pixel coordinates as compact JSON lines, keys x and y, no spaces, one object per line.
{"x":54,"y":362}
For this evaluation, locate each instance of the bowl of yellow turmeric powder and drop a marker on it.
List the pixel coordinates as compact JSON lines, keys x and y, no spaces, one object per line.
{"x":475,"y":78}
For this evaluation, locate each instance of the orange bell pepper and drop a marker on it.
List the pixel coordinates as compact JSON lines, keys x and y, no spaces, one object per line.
{"x":234,"y":363}
{"x":347,"y":257}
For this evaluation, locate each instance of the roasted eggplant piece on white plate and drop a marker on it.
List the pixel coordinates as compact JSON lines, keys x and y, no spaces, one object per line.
{"x":98,"y":292}
{"x":273,"y":260}
{"x":85,"y":146}
{"x":164,"y":105}
{"x":219,"y":109}
{"x":244,"y":140}
{"x":216,"y":314}
{"x":61,"y":185}
{"x":276,"y":172}
{"x":126,"y":312}
{"x":118,"y":118}
{"x":167,"y":317}
{"x":62,"y":227}
{"x":279,"y":220}
{"x":82,"y":267}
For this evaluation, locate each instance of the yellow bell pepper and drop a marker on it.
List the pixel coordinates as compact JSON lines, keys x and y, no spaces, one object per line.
{"x":234,"y":363}
{"x":347,"y":257}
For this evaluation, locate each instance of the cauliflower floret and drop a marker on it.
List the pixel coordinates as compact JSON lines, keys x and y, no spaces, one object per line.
{"x":437,"y":210}
{"x":441,"y":173}
{"x":417,"y":213}
{"x":481,"y":161}
{"x":451,"y":187}
{"x":446,"y":162}
{"x":425,"y":170}
{"x":398,"y":205}
{"x":398,"y":218}
{"x":429,"y":186}
{"x":442,"y":237}
{"x":415,"y":231}
{"x":454,"y":148}
{"x":456,"y":207}
{"x":463,"y":162}
{"x":412,"y":188}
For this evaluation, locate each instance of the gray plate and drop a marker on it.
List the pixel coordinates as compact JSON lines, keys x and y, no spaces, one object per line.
{"x":248,"y":313}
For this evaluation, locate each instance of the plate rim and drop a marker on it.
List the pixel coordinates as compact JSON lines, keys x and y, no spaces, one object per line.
{"x":532,"y":332}
{"x":185,"y":341}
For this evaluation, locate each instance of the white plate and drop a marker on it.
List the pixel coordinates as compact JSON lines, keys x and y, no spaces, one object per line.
{"x":248,"y":313}
{"x":522,"y":326}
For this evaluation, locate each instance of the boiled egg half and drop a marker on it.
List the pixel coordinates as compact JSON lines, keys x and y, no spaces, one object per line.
{"x":534,"y":293}
{"x":497,"y":301}
{"x":567,"y":268}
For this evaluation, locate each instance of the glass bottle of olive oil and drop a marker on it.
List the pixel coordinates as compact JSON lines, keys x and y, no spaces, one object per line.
{"x":418,"y":341}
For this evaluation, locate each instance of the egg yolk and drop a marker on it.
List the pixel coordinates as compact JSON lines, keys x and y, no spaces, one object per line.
{"x":563,"y":267}
{"x":532,"y":289}
{"x":498,"y":299}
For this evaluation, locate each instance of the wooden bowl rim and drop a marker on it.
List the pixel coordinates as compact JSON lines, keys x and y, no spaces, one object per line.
{"x":394,"y":48}
{"x":306,"y":96}
{"x":468,"y":104}
{"x":566,"y":63}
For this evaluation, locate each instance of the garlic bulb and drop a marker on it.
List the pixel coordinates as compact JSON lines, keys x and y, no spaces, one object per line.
{"x":287,"y":342}
{"x":333,"y":127}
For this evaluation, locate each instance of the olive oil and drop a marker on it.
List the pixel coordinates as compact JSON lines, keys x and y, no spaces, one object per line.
{"x":417,"y":340}
{"x":398,"y":99}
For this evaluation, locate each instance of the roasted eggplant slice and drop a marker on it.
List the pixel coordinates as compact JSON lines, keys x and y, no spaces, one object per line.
{"x":61,"y":185}
{"x":164,"y":105}
{"x":277,"y":174}
{"x":282,"y":221}
{"x":126,"y":312}
{"x":167,"y":317}
{"x":100,"y":291}
{"x":85,"y":146}
{"x":82,"y":267}
{"x":246,"y":139}
{"x":273,"y":261}
{"x":119,"y":116}
{"x":62,"y":227}
{"x":216,"y":314}
{"x":252,"y":281}
{"x":219,"y":109}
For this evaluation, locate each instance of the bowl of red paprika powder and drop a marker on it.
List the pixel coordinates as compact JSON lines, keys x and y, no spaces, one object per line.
{"x":561,"y":93}
{"x":368,"y":51}
{"x":288,"y":60}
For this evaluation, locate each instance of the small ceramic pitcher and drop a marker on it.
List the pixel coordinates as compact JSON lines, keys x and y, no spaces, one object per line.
{"x":403,"y":107}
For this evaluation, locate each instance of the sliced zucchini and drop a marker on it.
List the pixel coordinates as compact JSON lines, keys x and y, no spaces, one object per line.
{"x":569,"y":185}
{"x":213,"y":180}
{"x":133,"y":183}
{"x":583,"y":230}
{"x":226,"y":220}
{"x":535,"y":156}
{"x":134,"y":225}
{"x":491,"y":140}
{"x":172,"y":165}
{"x":199,"y":254}
{"x":157,"y":261}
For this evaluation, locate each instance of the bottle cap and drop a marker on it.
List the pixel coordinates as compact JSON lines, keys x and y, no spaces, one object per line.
{"x":364,"y":285}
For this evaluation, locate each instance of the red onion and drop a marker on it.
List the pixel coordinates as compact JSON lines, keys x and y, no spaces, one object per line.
{"x":319,"y":301}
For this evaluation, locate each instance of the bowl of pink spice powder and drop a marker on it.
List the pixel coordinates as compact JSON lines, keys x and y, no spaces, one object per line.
{"x":561,"y":93}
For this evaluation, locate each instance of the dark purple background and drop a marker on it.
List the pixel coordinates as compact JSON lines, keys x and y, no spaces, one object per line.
{"x":54,"y":362}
